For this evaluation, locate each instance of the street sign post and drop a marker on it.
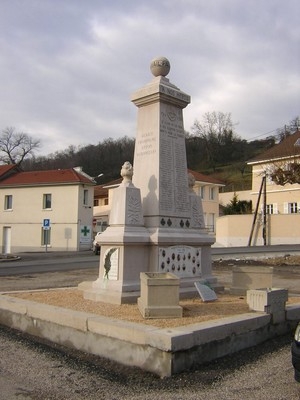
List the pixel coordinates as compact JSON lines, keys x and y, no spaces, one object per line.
{"x":46,"y":224}
{"x":46,"y":228}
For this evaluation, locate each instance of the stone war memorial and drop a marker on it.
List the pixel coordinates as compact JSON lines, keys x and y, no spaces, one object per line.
{"x":156,"y":221}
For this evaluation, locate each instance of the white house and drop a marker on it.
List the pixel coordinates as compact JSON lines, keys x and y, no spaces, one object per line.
{"x":41,"y":210}
{"x":280,"y":224}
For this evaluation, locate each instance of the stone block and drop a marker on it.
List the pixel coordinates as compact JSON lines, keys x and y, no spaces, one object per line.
{"x":12,"y":304}
{"x":246,"y":278}
{"x":123,"y":330}
{"x":159,"y":295}
{"x":293,"y":312}
{"x":58,"y":315}
{"x":271,"y":301}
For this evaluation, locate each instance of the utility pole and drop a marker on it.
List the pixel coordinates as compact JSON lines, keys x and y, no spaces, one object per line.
{"x":263,"y":188}
{"x":264,"y":231}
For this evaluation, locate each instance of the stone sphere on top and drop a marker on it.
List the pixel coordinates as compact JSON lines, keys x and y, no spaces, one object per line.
{"x":160,"y":66}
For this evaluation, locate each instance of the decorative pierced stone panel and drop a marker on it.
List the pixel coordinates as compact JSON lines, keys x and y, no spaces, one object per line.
{"x":183,"y":261}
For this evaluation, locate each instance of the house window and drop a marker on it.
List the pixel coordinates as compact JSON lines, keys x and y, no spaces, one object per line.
{"x":211,"y":193}
{"x":47,"y":200}
{"x":46,"y":237}
{"x":8,"y":202}
{"x":271,"y":208}
{"x":85,"y":197}
{"x":292,"y":208}
{"x":101,"y":226}
{"x":96,"y":202}
{"x":202,"y":192}
{"x":211,"y":222}
{"x":106,"y":202}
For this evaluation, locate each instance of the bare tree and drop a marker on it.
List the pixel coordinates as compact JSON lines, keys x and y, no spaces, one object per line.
{"x":15,"y":146}
{"x":288,"y":129}
{"x":214,"y":124}
{"x":216,"y":132}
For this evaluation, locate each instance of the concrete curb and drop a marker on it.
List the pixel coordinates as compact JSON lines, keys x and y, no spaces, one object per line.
{"x":161,"y":351}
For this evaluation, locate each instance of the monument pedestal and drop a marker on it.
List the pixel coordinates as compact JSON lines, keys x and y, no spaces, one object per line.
{"x":185,"y":254}
{"x":124,"y":255}
{"x":124,"y":248}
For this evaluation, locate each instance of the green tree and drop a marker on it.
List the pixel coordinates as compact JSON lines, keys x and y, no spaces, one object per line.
{"x":238,"y":206}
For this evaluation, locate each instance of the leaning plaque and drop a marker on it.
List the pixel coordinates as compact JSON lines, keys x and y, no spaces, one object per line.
{"x":206,"y":293}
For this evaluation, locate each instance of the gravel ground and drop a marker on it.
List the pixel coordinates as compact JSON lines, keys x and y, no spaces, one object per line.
{"x":31,"y":370}
{"x":194,"y":310}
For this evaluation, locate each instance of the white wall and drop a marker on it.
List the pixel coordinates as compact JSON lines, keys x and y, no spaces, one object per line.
{"x":234,"y":230}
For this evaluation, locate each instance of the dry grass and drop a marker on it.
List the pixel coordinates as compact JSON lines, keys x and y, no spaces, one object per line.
{"x":194,"y":310}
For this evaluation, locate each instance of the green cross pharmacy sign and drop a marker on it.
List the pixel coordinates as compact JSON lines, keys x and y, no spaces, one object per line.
{"x":85,"y":234}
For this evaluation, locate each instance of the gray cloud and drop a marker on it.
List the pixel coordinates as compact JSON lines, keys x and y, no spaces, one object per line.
{"x":68,"y":68}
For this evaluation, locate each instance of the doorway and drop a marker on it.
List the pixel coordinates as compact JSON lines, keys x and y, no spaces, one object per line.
{"x":6,"y":239}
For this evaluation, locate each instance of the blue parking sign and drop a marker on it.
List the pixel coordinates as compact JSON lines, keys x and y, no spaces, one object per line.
{"x":46,"y":223}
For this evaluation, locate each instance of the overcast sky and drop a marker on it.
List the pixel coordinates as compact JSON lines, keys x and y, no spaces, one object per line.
{"x":69,"y":67}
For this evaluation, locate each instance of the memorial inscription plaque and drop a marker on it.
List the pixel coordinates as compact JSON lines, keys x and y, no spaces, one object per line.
{"x":183,"y":261}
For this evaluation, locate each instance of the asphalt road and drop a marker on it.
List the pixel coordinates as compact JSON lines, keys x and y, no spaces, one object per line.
{"x":48,"y":262}
{"x":51,"y":270}
{"x":43,"y":271}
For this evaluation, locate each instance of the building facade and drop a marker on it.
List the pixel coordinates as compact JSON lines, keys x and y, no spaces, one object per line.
{"x":45,"y":210}
{"x":277,"y":201}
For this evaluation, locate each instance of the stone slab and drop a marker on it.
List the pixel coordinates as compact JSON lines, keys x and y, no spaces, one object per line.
{"x":115,"y":328}
{"x":13,"y":304}
{"x":205,"y":292}
{"x":58,"y":315}
{"x":293,"y":312}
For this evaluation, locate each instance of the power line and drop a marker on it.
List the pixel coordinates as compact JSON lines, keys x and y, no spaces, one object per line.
{"x":284,"y":127}
{"x":267,"y":133}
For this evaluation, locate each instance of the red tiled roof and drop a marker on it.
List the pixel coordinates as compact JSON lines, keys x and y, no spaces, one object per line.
{"x":284,"y":149}
{"x":59,"y":176}
{"x":115,"y":182}
{"x":205,"y":178}
{"x":4,"y":169}
{"x":100,"y":191}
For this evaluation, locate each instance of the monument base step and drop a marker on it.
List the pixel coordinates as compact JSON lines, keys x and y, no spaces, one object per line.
{"x":114,"y":297}
{"x":107,"y":296}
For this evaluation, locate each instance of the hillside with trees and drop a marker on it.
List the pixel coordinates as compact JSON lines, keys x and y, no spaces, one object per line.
{"x":213,"y":148}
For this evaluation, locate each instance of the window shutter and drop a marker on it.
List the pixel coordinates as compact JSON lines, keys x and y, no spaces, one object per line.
{"x":285,"y":208}
{"x":275,"y":208}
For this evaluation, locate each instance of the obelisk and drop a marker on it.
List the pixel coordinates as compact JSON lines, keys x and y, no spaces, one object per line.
{"x":160,"y":172}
